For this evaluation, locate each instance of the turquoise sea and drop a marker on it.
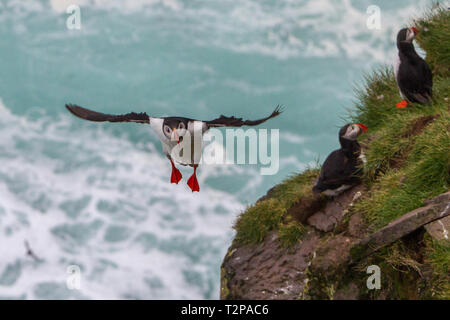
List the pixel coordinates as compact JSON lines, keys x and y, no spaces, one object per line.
{"x":98,"y":195}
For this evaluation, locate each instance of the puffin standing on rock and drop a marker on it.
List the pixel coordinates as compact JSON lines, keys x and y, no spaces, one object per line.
{"x":340,"y":170}
{"x":180,"y":137}
{"x":413,"y":75}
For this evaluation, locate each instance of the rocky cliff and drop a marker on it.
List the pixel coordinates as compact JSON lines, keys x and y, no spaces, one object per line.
{"x":292,"y":244}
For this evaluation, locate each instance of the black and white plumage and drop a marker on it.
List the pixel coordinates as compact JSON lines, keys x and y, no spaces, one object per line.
{"x":413,"y":75}
{"x":173,"y":131}
{"x":341,"y":168}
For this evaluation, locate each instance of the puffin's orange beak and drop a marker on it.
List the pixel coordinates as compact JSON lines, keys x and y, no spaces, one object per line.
{"x":175,"y":133}
{"x":363,"y":127}
{"x":415,"y":30}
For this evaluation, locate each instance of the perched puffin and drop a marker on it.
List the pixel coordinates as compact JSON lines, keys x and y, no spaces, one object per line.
{"x":341,"y":168}
{"x":180,"y":137}
{"x":413,"y":75}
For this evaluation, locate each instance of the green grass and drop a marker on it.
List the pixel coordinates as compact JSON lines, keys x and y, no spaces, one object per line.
{"x":425,"y":172}
{"x":438,"y":255}
{"x":253,"y":226}
{"x":291,"y":233}
{"x":376,"y":98}
{"x":296,"y":187}
{"x":270,"y":214}
{"x":433,"y":37}
{"x":430,"y":157}
{"x":390,"y":146}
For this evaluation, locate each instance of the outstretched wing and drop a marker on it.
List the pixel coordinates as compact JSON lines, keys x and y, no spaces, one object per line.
{"x":90,"y":115}
{"x":238,"y":122}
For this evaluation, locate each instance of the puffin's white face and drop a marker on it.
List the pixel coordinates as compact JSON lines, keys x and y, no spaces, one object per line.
{"x":175,"y":131}
{"x":411,"y":34}
{"x":353,"y":131}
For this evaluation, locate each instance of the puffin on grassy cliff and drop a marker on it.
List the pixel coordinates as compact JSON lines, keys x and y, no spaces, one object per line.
{"x":180,"y":137}
{"x":340,"y":170}
{"x":413,"y":75}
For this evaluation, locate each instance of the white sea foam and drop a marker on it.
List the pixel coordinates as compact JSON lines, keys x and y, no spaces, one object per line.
{"x":125,"y":6}
{"x":293,"y":138}
{"x":81,"y":196}
{"x":287,"y":29}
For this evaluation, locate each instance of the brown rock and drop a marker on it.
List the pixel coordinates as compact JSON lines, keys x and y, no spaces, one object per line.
{"x":436,"y":208}
{"x":322,"y":221}
{"x":439,"y":229}
{"x":332,"y":255}
{"x":266,"y":271}
{"x":303,"y":209}
{"x":333,"y":212}
{"x":356,"y":226}
{"x":328,"y":268}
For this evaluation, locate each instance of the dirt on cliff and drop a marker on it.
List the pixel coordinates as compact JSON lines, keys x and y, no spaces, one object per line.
{"x":269,"y":271}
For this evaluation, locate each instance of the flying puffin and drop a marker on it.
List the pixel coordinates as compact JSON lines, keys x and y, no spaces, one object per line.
{"x":180,"y":137}
{"x":413,"y":75}
{"x":340,"y":170}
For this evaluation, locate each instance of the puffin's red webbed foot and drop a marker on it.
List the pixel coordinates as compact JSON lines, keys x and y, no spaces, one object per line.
{"x":402,"y":104}
{"x":192,"y":182}
{"x":176,"y":174}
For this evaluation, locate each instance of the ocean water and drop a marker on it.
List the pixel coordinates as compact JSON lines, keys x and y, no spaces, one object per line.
{"x":98,"y":195}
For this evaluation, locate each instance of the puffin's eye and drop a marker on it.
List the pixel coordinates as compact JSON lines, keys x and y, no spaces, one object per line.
{"x":181,"y":125}
{"x":167,"y":129}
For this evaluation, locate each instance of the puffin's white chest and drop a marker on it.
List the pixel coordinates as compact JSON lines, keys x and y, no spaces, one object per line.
{"x":335,"y":192}
{"x":189,"y":150}
{"x":362,"y":157}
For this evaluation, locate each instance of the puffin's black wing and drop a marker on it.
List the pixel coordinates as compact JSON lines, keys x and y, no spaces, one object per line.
{"x":238,"y":122}
{"x":415,"y":78}
{"x":90,"y":115}
{"x":336,"y":171}
{"x":418,"y":85}
{"x":428,"y":78}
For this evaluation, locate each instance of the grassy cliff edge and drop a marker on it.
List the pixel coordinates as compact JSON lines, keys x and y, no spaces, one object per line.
{"x":408,"y":162}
